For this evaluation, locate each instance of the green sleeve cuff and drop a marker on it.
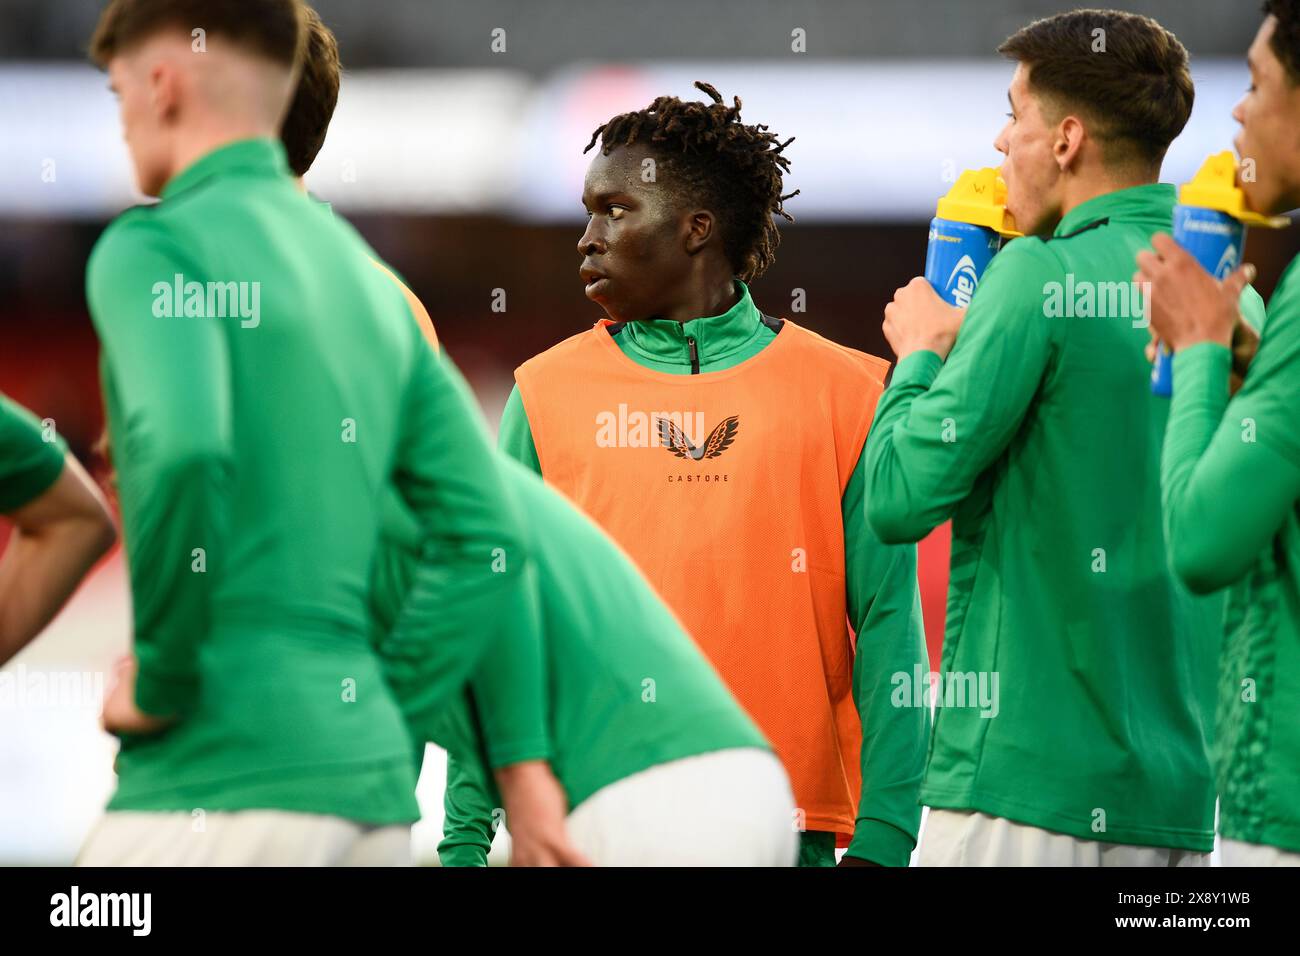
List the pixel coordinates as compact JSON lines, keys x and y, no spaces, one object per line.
{"x":461,"y":854}
{"x":1203,"y":371}
{"x":165,"y":696}
{"x":919,"y":368}
{"x":512,"y":752}
{"x":29,"y":464}
{"x":881,"y":842}
{"x":19,"y":490}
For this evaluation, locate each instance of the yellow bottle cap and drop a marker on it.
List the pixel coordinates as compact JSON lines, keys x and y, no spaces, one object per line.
{"x":979,"y":197}
{"x":1215,"y":187}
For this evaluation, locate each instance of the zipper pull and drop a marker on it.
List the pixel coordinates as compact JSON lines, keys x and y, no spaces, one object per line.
{"x":695,"y":357}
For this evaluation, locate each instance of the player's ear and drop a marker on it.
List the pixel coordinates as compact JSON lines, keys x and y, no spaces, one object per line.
{"x":700,"y":225}
{"x":1069,"y":139}
{"x":164,"y":90}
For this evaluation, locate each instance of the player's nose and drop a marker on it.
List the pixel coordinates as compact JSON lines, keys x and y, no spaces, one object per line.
{"x":1000,"y":142}
{"x":591,"y":242}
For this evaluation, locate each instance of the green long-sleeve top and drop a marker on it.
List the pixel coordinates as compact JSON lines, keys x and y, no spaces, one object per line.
{"x":880,"y":581}
{"x":1231,"y":484}
{"x":265,"y":388}
{"x":1040,"y":438}
{"x":594,"y":674}
{"x":29,"y":464}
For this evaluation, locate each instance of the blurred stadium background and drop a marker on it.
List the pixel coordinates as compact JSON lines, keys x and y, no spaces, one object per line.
{"x":462,"y":165}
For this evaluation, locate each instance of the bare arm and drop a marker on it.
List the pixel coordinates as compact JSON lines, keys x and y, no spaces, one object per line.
{"x":536,"y":807}
{"x":57,"y":539}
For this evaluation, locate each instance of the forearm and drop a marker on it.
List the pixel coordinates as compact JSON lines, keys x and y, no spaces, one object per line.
{"x":890,"y":645}
{"x":898,"y":506}
{"x":884,"y":607}
{"x":39,"y":572}
{"x":938,"y":428}
{"x":1224,"y":494}
{"x":515,"y":782}
{"x":470,"y":813}
{"x":57,"y":538}
{"x":174,"y":515}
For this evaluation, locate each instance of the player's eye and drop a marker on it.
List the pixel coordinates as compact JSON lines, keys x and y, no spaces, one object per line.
{"x":616,"y":212}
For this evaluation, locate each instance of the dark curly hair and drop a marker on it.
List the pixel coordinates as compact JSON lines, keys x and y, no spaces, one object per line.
{"x":1286,"y":37}
{"x":715,"y":159}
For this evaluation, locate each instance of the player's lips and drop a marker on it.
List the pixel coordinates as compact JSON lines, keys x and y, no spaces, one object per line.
{"x":594,"y":279}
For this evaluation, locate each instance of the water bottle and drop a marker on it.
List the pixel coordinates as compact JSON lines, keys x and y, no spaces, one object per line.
{"x":966,"y":233}
{"x":1210,"y":223}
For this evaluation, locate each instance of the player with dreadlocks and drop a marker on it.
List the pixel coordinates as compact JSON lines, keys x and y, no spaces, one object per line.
{"x":720,"y":446}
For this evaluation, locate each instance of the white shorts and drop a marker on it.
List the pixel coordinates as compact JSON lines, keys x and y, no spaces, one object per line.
{"x":1237,"y":853}
{"x":970,"y":838}
{"x":726,"y":808}
{"x":241,"y":838}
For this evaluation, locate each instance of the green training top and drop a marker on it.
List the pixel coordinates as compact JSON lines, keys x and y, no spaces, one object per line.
{"x":1231,"y":483}
{"x":266,"y":386}
{"x":29,"y":465}
{"x":1040,"y":438}
{"x":880,"y":583}
{"x":598,"y":678}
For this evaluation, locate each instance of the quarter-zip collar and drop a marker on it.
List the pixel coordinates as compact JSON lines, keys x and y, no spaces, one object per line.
{"x":670,"y":346}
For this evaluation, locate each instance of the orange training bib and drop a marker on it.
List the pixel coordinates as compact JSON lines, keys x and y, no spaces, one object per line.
{"x":726,"y":488}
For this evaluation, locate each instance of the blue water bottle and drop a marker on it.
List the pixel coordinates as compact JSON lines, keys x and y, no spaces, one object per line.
{"x":1210,"y":223}
{"x":966,"y":233}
